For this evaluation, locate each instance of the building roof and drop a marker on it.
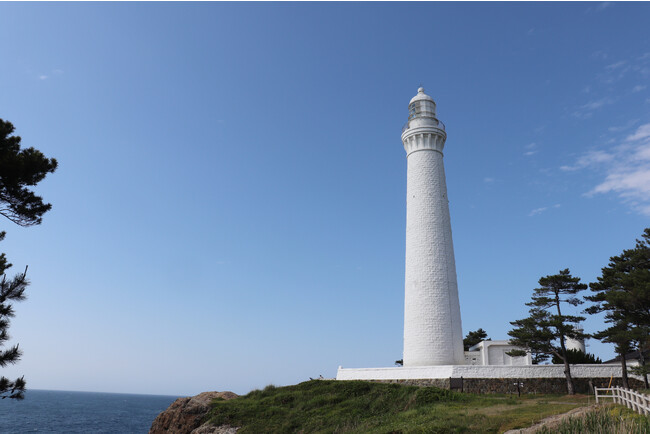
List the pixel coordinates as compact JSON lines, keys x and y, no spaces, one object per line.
{"x":489,"y":342}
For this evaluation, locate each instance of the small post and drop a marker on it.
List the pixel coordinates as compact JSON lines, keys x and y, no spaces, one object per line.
{"x":631,"y":399}
{"x":629,"y":402}
{"x":621,"y":394}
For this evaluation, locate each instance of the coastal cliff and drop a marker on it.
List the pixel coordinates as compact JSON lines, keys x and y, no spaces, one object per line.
{"x":185,"y":416}
{"x":359,"y":406}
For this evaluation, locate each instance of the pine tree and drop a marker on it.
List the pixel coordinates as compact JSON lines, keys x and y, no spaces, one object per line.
{"x":577,"y":357}
{"x":545,"y":331}
{"x":474,"y":338}
{"x":617,"y":334}
{"x":19,"y":170}
{"x":623,"y":293}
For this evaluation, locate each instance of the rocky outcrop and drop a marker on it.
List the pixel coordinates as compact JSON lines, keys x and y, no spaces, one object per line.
{"x":185,"y":416}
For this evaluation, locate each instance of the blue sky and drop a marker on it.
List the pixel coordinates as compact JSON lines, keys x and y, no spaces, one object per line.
{"x":229,"y":208}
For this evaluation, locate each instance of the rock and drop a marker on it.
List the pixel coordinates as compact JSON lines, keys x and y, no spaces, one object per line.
{"x":185,"y":416}
{"x":211,"y":429}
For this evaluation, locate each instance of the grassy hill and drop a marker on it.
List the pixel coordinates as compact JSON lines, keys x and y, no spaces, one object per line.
{"x":357,"y":406}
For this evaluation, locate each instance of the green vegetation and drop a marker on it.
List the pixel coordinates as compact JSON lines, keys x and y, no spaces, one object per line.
{"x":543,"y":333}
{"x":20,"y":169}
{"x":358,"y":406}
{"x":576,"y":357}
{"x":604,"y":420}
{"x":474,"y":338}
{"x":623,"y":293}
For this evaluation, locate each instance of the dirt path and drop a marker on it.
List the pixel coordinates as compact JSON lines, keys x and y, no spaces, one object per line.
{"x":552,"y":421}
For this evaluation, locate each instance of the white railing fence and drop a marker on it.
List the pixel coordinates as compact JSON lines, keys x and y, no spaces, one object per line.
{"x":636,"y":401}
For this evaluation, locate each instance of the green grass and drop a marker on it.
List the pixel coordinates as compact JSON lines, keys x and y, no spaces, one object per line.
{"x":612,"y":419}
{"x":364,"y":407}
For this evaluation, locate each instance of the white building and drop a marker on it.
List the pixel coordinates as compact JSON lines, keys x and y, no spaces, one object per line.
{"x":432,"y":326}
{"x":494,"y":353}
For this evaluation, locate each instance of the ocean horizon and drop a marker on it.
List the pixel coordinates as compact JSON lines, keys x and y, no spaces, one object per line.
{"x":57,"y":411}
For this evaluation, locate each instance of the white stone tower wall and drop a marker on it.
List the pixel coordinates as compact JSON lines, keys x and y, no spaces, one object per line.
{"x":575,"y":344}
{"x":432,"y":324}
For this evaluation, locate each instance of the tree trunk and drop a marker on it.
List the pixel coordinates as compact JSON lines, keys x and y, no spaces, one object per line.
{"x":624,"y":372}
{"x":642,"y":362}
{"x":567,"y":368}
{"x":569,"y":380}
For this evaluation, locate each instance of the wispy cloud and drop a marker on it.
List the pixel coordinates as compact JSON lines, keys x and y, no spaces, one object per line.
{"x":488,"y":180}
{"x":629,"y":124}
{"x":590,"y":159}
{"x":626,"y":170}
{"x":629,"y":184}
{"x":585,"y":111}
{"x":537,"y":211}
{"x":45,"y":76}
{"x":599,"y":7}
{"x":616,"y":65}
{"x":593,"y":105}
{"x":602,"y":6}
{"x":531,"y":149}
{"x":616,"y":71}
{"x":639,"y":88}
{"x":643,"y":132}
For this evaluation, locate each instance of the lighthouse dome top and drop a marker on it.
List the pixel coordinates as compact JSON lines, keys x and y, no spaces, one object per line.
{"x":421,"y":96}
{"x":422,"y":116}
{"x":422,"y":105}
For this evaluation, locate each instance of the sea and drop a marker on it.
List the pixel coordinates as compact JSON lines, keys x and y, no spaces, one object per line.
{"x":48,"y":411}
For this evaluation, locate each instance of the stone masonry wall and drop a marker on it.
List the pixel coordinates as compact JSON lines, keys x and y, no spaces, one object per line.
{"x":494,"y":378}
{"x":509,"y":385}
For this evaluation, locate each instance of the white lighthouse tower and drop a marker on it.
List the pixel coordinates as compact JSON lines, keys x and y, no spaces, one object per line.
{"x":432,"y":326}
{"x":433,"y":343}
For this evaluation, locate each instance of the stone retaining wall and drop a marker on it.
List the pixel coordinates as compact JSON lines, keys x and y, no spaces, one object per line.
{"x":526,"y":385}
{"x":496,"y":379}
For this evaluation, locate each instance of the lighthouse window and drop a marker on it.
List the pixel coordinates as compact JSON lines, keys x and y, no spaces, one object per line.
{"x":412,"y":111}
